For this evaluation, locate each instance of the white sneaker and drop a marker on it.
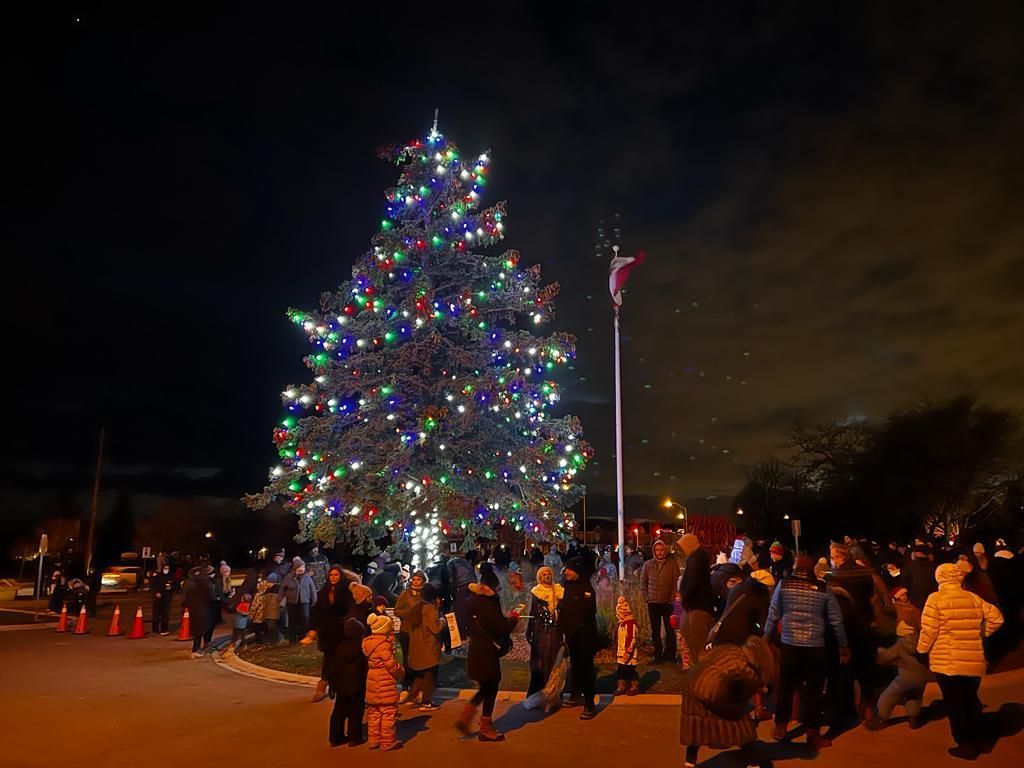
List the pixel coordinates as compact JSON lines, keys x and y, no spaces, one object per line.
{"x":196,"y":655}
{"x":164,"y":634}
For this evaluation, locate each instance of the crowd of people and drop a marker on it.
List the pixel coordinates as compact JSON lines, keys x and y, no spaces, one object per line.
{"x":762,"y":633}
{"x":833,"y":641}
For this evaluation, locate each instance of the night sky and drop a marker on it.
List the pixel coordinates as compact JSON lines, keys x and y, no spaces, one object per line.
{"x":830,"y":197}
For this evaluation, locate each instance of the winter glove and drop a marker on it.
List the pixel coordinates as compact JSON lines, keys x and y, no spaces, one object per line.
{"x":673,"y":621}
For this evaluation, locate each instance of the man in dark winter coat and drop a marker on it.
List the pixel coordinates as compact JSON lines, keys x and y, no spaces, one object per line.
{"x":382,"y":579}
{"x":198,"y":597}
{"x":460,"y":576}
{"x":696,"y":596}
{"x":854,"y":587}
{"x":163,"y":586}
{"x":577,"y":619}
{"x":279,"y":565}
{"x":316,"y":566}
{"x":659,"y":578}
{"x":919,"y":576}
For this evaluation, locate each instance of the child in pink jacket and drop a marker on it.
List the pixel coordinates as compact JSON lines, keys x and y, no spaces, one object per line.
{"x":382,"y":676}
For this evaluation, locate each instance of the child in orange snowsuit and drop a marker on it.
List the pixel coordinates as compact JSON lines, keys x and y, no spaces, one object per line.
{"x":382,"y":676}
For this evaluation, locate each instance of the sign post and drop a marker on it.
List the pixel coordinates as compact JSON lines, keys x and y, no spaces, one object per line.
{"x":44,"y":544}
{"x":795,"y":524}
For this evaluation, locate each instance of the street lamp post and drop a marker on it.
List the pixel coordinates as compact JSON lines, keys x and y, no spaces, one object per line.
{"x":681,"y":515}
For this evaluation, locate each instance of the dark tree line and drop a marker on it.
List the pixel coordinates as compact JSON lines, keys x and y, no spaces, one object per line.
{"x":952,"y":468}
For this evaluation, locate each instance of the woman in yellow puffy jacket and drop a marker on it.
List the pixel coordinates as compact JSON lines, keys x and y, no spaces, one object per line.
{"x":953,"y":624}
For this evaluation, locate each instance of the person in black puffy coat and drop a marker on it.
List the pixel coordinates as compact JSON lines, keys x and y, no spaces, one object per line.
{"x":346,"y":674}
{"x":577,"y":620}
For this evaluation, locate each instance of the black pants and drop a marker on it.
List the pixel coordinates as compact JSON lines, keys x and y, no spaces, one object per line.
{"x":581,"y":662}
{"x":862,"y":671}
{"x":423,"y":683}
{"x":462,"y":610}
{"x":298,"y":622}
{"x":486,"y":695}
{"x":197,"y":643}
{"x":961,"y":696}
{"x":660,"y":615}
{"x":403,"y":643}
{"x":626,"y":672}
{"x":161,"y":615}
{"x":803,"y":670}
{"x":326,"y":665}
{"x":347,"y":718}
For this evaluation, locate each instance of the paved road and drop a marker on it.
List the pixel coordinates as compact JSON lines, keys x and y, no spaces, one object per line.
{"x":110,"y":702}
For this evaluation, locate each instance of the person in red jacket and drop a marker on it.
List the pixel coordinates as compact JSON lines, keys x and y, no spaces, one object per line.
{"x":382,"y":675}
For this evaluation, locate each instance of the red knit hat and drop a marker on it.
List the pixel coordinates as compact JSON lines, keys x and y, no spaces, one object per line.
{"x":898,"y":592}
{"x":777,"y":549}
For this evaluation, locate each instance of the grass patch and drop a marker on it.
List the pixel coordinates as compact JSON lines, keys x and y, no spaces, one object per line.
{"x":515,"y":674}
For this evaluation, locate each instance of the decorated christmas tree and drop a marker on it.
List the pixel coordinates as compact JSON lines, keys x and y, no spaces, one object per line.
{"x":428,"y":414}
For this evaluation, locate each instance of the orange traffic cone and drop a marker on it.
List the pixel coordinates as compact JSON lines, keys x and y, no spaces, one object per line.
{"x":115,"y":623}
{"x":81,"y":626}
{"x":137,"y":632}
{"x":62,"y":622}
{"x":185,"y":630}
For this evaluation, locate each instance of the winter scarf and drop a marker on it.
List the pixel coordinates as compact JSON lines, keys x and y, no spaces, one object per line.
{"x":549,"y":594}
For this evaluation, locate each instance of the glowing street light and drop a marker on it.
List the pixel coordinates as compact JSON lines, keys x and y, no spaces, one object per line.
{"x":668,"y":504}
{"x":739,"y":511}
{"x":209,"y":534}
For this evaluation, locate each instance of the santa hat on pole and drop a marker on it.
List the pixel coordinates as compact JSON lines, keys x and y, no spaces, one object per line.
{"x":618,"y":273}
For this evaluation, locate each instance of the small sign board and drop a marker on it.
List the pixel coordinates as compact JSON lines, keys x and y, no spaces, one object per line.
{"x":146,"y":553}
{"x":394,"y":619}
{"x":453,"y":629}
{"x":796,"y":527}
{"x":44,"y":544}
{"x":453,"y":547}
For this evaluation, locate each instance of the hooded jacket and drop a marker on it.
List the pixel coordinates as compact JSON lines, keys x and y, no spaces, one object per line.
{"x":953,"y":624}
{"x":383,"y":672}
{"x":658,"y":579}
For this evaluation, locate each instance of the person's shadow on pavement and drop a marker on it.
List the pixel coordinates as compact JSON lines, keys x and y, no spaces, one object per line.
{"x":407,"y":730}
{"x":767,"y":753}
{"x":516,"y":717}
{"x":1006,"y":722}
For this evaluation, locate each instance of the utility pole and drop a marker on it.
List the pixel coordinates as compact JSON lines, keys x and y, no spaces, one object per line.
{"x":95,"y":499}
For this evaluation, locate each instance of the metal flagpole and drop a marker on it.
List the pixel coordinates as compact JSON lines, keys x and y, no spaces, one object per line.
{"x":618,"y":445}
